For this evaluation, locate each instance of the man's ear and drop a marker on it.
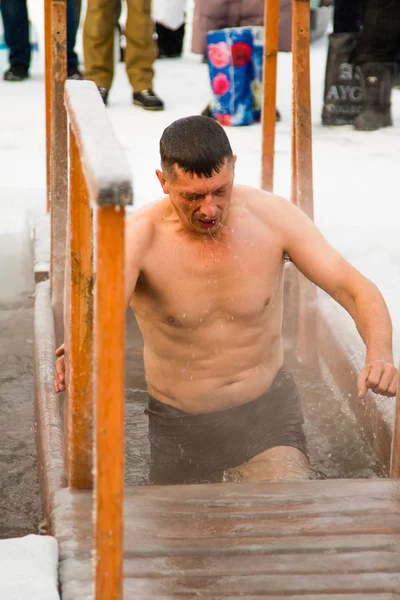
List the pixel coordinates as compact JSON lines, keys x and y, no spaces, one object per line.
{"x":162,"y":180}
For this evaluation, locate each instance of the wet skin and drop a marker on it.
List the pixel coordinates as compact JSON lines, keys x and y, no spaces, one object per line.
{"x":204,"y":277}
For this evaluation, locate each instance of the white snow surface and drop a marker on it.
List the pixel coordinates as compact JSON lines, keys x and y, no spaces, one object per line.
{"x":28,"y":568}
{"x":356,"y":192}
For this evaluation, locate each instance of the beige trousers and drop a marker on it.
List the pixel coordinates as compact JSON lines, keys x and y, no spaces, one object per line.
{"x":98,"y":43}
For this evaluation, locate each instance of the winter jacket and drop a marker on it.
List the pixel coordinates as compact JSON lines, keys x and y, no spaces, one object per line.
{"x":218,"y":14}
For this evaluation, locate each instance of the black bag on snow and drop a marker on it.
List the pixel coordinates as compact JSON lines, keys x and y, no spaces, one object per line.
{"x":343,"y":95}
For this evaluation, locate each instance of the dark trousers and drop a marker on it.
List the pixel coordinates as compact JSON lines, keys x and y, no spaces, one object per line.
{"x":380,"y":38}
{"x":379,"y":24}
{"x":347,"y":16}
{"x":16,"y":31}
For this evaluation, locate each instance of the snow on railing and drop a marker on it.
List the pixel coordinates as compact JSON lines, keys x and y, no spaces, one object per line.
{"x":99,"y":185}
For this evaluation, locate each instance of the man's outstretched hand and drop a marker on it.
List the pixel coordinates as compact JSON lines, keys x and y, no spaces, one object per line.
{"x":59,"y":371}
{"x":380,"y":376}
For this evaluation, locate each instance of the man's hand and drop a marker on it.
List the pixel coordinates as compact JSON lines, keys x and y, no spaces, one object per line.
{"x":380,"y":376}
{"x":59,"y":371}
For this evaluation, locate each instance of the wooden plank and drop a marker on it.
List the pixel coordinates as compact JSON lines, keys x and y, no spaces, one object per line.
{"x":273,"y":596}
{"x":78,"y":405}
{"x":302,"y":178}
{"x":109,"y":398}
{"x":48,"y":76}
{"x":58,"y":149}
{"x":285,"y":492}
{"x":297,"y":563}
{"x":395,"y":454}
{"x":233,"y":586}
{"x":271,"y":34}
{"x":48,"y":428}
{"x":191,"y":549}
{"x":302,"y":146}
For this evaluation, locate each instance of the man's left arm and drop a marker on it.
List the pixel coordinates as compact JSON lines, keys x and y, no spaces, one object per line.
{"x":325,"y":267}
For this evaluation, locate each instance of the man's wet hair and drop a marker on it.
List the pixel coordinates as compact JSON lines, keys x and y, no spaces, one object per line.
{"x":197,"y":144}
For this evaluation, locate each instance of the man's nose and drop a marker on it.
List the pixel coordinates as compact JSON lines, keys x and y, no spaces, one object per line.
{"x":208,"y":207}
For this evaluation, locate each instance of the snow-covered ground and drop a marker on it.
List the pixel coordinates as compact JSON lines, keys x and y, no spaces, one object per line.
{"x":356,"y":175}
{"x":29,"y":568}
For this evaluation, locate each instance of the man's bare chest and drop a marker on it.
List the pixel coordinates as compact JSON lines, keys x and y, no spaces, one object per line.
{"x":191,"y":285}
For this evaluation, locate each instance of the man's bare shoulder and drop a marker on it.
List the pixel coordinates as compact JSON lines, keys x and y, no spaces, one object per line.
{"x":140,"y":227}
{"x":266,"y":206}
{"x":146,"y":218}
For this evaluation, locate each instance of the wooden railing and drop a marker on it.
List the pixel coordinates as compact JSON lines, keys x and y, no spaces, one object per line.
{"x":302,"y":178}
{"x":395,"y":456}
{"x":56,"y":147}
{"x":91,"y":320}
{"x":302,"y":175}
{"x":99,"y":182}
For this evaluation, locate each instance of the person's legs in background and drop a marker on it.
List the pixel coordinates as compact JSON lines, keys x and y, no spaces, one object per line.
{"x":73,"y":71}
{"x":98,"y":44}
{"x":376,"y":57}
{"x":141,"y":53}
{"x":16,"y":35}
{"x":347,"y":16}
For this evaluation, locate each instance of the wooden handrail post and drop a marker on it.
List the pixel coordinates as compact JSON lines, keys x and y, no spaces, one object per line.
{"x":109,"y":402}
{"x":108,"y":184}
{"x":48,"y":76}
{"x":302,"y":177}
{"x":78,"y":407}
{"x":395,"y":455}
{"x":302,"y":131}
{"x":58,"y":163}
{"x":271,"y":36}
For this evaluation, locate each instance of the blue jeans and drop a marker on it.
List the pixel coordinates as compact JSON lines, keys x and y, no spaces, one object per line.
{"x":16,"y":32}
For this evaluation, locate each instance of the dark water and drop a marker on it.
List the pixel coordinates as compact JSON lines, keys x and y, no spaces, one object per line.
{"x":20,"y":510}
{"x":337,"y":445}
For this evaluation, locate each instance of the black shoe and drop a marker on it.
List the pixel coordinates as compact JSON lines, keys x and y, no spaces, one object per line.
{"x":104,"y":94}
{"x":16,"y":73}
{"x":162,"y":54}
{"x":207,"y":113}
{"x":148,"y":100}
{"x":74,"y":73}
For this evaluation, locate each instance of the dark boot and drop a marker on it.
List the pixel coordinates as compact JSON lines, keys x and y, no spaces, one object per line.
{"x":377,"y":81}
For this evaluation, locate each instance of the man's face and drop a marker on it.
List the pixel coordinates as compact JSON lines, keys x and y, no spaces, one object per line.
{"x":201,"y":203}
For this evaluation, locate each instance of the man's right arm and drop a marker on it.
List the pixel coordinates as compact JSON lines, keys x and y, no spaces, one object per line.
{"x":139,"y":231}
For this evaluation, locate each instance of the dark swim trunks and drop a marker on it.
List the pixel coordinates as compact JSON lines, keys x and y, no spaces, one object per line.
{"x":198,"y":448}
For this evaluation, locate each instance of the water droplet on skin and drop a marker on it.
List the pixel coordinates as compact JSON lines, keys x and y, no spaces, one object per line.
{"x":222,"y":326}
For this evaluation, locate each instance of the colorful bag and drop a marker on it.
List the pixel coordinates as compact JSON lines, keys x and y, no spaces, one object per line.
{"x":235,"y":66}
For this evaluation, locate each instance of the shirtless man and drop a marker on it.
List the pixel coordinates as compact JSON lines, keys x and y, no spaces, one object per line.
{"x":204,"y":277}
